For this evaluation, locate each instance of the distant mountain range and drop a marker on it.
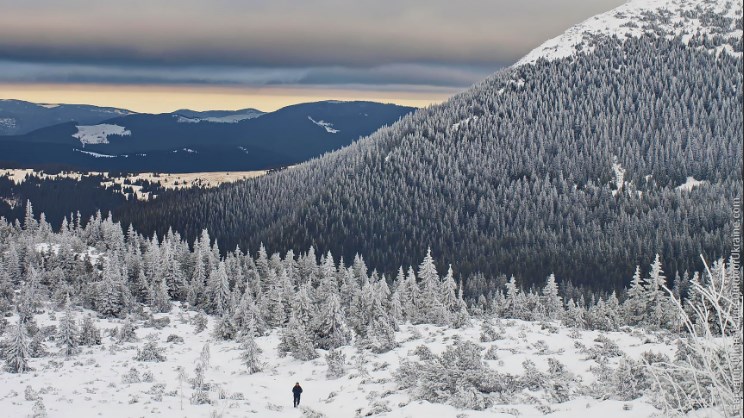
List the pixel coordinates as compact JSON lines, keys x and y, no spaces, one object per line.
{"x":107,"y":139}
{"x":18,"y":117}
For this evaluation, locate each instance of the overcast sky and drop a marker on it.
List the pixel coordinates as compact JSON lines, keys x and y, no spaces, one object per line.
{"x":266,"y":53}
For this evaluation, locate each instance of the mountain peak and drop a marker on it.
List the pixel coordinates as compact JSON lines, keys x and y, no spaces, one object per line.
{"x":683,"y":19}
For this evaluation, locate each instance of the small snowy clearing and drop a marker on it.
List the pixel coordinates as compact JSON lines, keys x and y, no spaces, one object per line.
{"x":464,"y":122}
{"x":690,"y":184}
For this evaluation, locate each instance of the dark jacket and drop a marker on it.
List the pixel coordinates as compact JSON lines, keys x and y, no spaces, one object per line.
{"x":297,"y":389}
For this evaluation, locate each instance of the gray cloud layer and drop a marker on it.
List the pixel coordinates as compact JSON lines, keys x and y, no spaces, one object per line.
{"x":433,"y":42}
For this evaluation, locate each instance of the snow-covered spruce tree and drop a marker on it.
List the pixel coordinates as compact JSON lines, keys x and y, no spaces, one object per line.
{"x":296,"y":342}
{"x":200,"y":395}
{"x":225,"y":328}
{"x":461,"y":317}
{"x":17,"y":349}
{"x":574,"y":316}
{"x":250,"y":355}
{"x":381,"y":334}
{"x":28,"y":298}
{"x":159,"y":299}
{"x":430,"y":309}
{"x":111,"y":298}
{"x":218,"y":289}
{"x":329,"y":327}
{"x":409,"y":295}
{"x":336,"y":361}
{"x":634,"y":306}
{"x":89,"y":333}
{"x":200,"y":322}
{"x":658,"y":306}
{"x":68,"y":336}
{"x":707,"y":370}
{"x":551,"y":301}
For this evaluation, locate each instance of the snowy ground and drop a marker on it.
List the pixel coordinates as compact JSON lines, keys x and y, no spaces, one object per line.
{"x":91,"y":383}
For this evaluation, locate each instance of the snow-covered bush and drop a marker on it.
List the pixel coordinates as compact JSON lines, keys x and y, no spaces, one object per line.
{"x":458,"y":376}
{"x":423,"y":352}
{"x":489,"y":333}
{"x":126,"y":332}
{"x":492,"y":353}
{"x":30,"y":394}
{"x":532,"y":378}
{"x":175,"y":339}
{"x":605,"y":349}
{"x":150,"y":352}
{"x":707,"y":369}
{"x":132,"y":376}
{"x":157,"y":323}
{"x":39,"y":410}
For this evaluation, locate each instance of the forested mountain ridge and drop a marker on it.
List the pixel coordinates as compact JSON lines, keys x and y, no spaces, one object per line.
{"x":187,"y":141}
{"x":582,"y":166}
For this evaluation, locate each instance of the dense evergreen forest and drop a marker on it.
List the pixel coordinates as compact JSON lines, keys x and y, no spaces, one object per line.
{"x":73,"y":198}
{"x":572,"y":167}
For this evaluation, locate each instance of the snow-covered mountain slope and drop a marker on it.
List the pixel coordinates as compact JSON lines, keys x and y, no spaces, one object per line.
{"x":19,"y":117}
{"x":108,"y":379}
{"x":684,"y":19}
{"x":98,"y":134}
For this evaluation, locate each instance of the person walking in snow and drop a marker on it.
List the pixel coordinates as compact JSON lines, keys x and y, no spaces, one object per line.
{"x":297,"y":390}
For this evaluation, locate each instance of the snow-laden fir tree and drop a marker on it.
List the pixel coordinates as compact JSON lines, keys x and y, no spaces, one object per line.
{"x":551,"y":300}
{"x":431,"y":310}
{"x":336,"y":361}
{"x":250,"y":355}
{"x":635,"y":304}
{"x":329,"y":327}
{"x":296,"y":342}
{"x":68,"y":336}
{"x":17,"y":349}
{"x":89,"y":333}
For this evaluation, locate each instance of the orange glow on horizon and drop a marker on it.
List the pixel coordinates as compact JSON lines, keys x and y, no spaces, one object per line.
{"x":164,"y":98}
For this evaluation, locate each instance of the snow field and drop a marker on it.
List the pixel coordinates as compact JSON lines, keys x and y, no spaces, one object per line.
{"x":92,"y":383}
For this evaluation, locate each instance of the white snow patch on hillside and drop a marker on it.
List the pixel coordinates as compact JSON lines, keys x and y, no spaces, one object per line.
{"x":95,"y":154}
{"x":670,"y":18}
{"x":45,"y":247}
{"x":184,"y":119}
{"x":49,"y":105}
{"x":464,"y":122}
{"x":8,"y":122}
{"x":99,"y":380}
{"x":690,"y":184}
{"x":219,"y":119}
{"x":323,"y":124}
{"x":619,"y":172}
{"x":98,"y":134}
